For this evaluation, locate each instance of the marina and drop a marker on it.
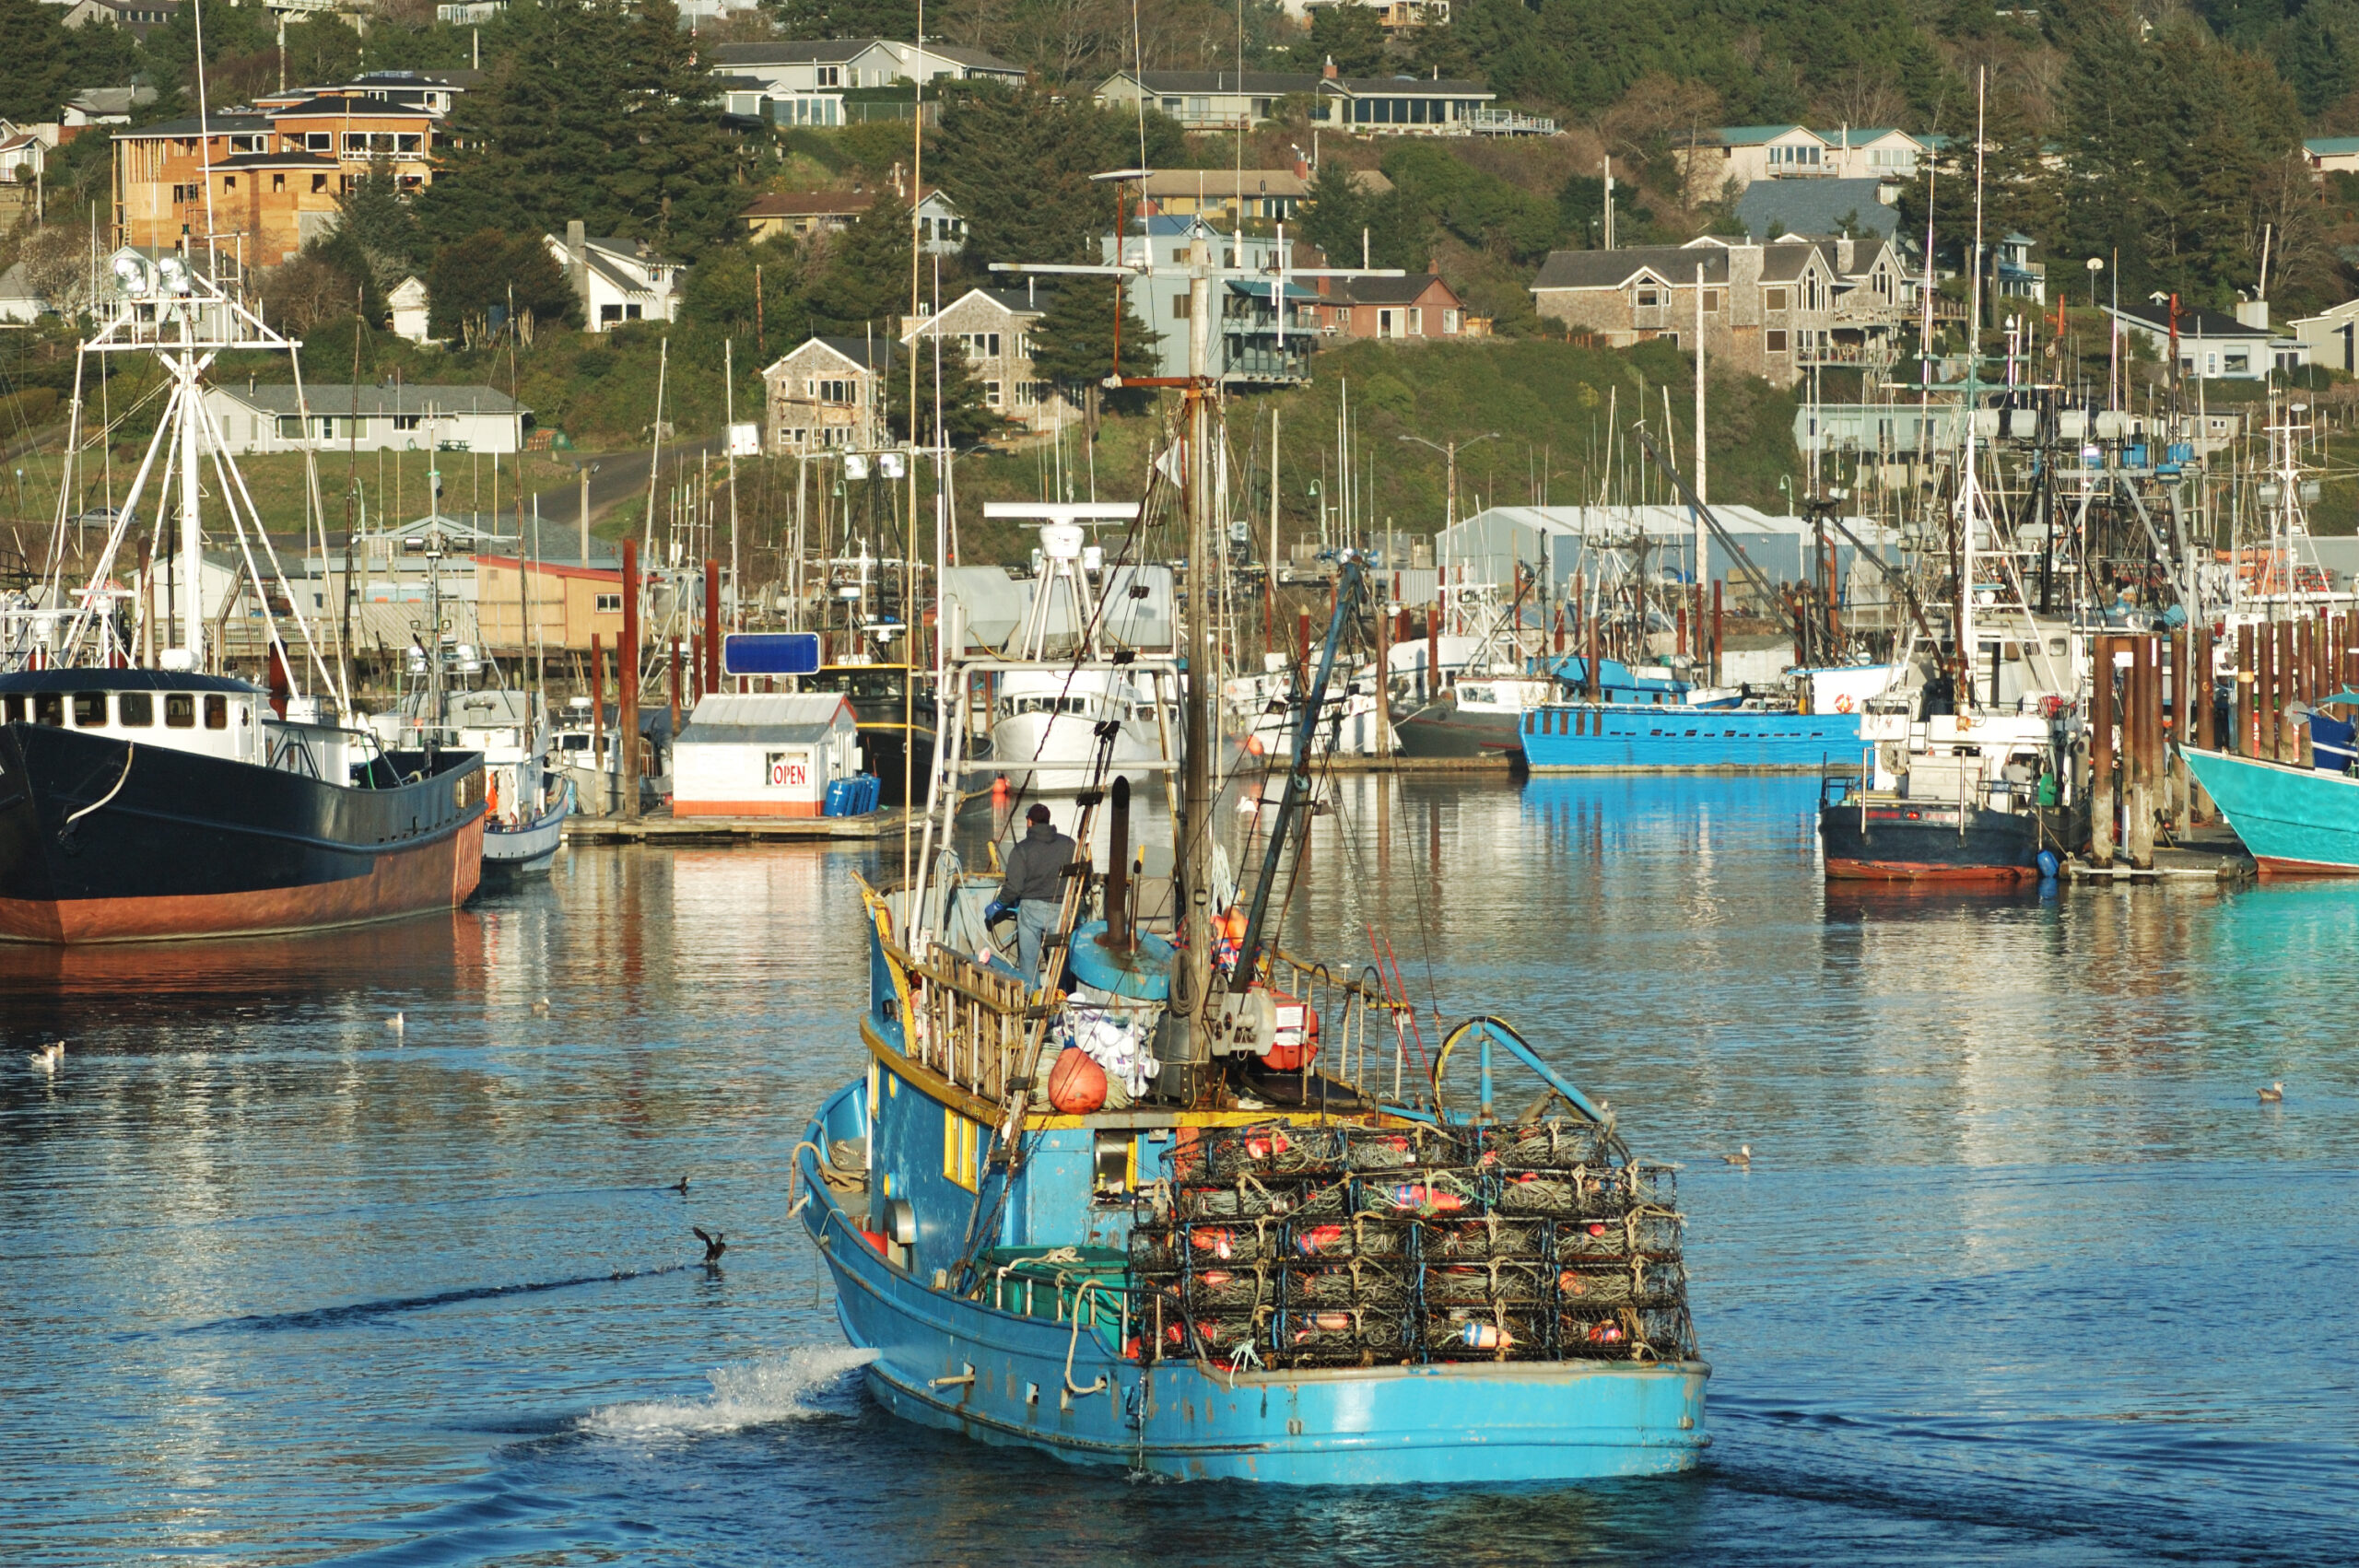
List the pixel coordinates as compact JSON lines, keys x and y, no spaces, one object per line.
{"x":304,"y":1280}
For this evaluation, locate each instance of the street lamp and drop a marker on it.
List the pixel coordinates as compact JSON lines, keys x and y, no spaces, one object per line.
{"x":1450,"y":453}
{"x":2096,"y":265}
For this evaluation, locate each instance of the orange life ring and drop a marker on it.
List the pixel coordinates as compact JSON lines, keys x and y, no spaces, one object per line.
{"x":1843,"y":703}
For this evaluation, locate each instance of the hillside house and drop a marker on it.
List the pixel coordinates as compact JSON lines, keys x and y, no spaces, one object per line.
{"x":1246,"y":344}
{"x":1407,"y":309}
{"x":942,"y":230}
{"x":827,"y":394}
{"x":993,"y":326}
{"x":2242,"y":347}
{"x":1770,"y":309}
{"x":617,"y":280}
{"x":404,"y":418}
{"x":1399,"y":106}
{"x":2331,"y":154}
{"x":805,"y":79}
{"x":1270,"y":195}
{"x":2331,"y":336}
{"x":274,"y":176}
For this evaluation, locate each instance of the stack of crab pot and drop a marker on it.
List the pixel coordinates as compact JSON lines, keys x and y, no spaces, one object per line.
{"x":1332,"y":1246}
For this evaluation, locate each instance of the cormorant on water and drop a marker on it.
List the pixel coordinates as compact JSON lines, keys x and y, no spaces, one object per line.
{"x":713,"y":1245}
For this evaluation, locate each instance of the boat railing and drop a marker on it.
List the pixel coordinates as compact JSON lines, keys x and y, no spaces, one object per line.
{"x":967,"y":1022}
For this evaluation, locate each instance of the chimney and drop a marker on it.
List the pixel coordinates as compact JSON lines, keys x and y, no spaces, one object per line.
{"x":1301,"y":167}
{"x":1329,"y":72}
{"x":2253,"y":313}
{"x":577,"y":269}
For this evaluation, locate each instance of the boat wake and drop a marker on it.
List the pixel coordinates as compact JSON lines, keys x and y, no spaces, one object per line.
{"x":361,"y":1312}
{"x":745,"y":1393}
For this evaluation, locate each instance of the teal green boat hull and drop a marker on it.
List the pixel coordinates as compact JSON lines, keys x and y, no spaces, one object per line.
{"x":2294,"y":821}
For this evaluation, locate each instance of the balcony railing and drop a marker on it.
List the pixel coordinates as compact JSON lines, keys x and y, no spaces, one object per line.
{"x":1508,"y":123}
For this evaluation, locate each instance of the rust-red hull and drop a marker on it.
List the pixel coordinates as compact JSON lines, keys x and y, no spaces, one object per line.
{"x":1908,"y":870}
{"x":441,"y":874}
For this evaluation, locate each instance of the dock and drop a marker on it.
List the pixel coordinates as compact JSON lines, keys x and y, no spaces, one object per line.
{"x":2208,"y":853}
{"x":660,"y":827}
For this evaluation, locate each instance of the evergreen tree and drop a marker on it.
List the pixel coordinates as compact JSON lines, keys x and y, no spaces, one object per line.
{"x":721,"y":295}
{"x":863,"y":273}
{"x":845,"y":19}
{"x":1338,"y":211}
{"x":598,"y":110}
{"x":37,"y":68}
{"x":964,"y":413}
{"x":489,"y":271}
{"x":1018,"y":165}
{"x":1350,"y":37}
{"x":1073,"y":344}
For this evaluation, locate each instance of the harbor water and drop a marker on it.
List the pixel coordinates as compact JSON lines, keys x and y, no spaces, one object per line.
{"x":2021,"y":1272}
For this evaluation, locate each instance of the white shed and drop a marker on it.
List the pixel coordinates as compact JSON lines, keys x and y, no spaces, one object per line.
{"x":409,"y":304}
{"x":767,"y":754}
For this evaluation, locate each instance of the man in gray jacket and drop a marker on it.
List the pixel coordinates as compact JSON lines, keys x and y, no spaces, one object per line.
{"x":1035,"y":888}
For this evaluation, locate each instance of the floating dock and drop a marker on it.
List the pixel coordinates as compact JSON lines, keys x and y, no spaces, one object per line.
{"x":660,"y":827}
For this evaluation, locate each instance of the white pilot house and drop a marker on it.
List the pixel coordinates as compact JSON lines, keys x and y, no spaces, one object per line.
{"x":767,"y":754}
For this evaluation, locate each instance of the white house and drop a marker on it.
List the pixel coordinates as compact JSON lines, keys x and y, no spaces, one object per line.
{"x":408,"y":418}
{"x":617,"y":280}
{"x":2331,"y":336}
{"x":410,"y":309}
{"x":804,"y":80}
{"x":2241,"y":348}
{"x":1873,"y":152}
{"x":771,"y":754}
{"x":23,"y":151}
{"x":2331,"y":154}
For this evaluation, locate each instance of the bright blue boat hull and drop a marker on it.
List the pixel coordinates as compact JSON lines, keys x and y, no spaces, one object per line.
{"x":1645,"y":737}
{"x":2294,"y":821}
{"x":961,"y":1365}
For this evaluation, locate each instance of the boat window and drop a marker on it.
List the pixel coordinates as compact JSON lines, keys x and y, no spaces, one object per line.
{"x":49,"y":708}
{"x":89,"y":709}
{"x":136,"y":709}
{"x":216,"y":712}
{"x":180,"y":710}
{"x":574,"y":742}
{"x":16,"y":707}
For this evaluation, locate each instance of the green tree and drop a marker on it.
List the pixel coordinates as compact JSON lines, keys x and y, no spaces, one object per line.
{"x":1018,"y":165}
{"x":845,"y":19}
{"x":862,"y":271}
{"x":376,"y":239}
{"x":37,"y":68}
{"x":964,"y":413}
{"x":721,"y":294}
{"x":1073,"y":344}
{"x":1350,"y":37}
{"x":488,"y":272}
{"x":597,"y":110}
{"x":1338,"y":211}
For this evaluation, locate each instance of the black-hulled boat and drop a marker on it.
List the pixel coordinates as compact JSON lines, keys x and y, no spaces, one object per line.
{"x":139,"y":804}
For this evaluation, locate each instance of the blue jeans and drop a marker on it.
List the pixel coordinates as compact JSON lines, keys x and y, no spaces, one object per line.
{"x":1035,"y":918}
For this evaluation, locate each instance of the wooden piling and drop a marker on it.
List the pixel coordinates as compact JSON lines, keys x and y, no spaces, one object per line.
{"x":2246,"y":743}
{"x":675,"y":683}
{"x":627,"y":677}
{"x":2100,"y":756}
{"x":2286,"y":667}
{"x":2205,"y":716}
{"x":1433,"y":650}
{"x":2141,"y":720}
{"x":2178,"y":733}
{"x":2264,"y":691}
{"x":598,"y":721}
{"x":713,"y":630}
{"x":1716,"y":630}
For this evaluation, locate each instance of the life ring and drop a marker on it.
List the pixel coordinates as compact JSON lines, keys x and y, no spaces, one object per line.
{"x":1843,"y":703}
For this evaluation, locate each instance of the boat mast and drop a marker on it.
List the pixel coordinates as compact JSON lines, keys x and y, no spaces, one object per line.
{"x":1192,"y":979}
{"x":1966,"y":483}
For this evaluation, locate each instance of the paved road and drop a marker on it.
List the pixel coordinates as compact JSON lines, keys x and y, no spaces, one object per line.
{"x":618,"y":477}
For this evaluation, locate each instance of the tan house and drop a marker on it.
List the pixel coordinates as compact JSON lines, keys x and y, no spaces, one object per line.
{"x":829,"y":393}
{"x":1270,"y":195}
{"x":1771,"y":310}
{"x":993,"y":326}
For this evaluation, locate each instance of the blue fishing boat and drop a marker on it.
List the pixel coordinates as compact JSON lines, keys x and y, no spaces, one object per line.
{"x":1145,"y":1216}
{"x":2295,"y":821}
{"x":1597,"y":737}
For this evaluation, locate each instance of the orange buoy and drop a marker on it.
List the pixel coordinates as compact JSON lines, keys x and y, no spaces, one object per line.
{"x":1076,"y":1084}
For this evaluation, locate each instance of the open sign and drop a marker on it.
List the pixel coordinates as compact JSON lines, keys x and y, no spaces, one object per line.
{"x":789,"y":770}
